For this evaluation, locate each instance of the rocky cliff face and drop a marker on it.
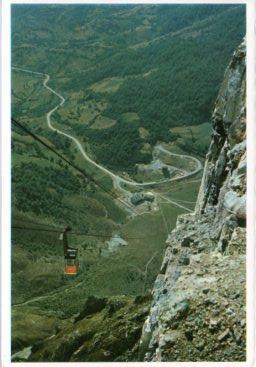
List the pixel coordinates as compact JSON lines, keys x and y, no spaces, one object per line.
{"x":198,"y":309}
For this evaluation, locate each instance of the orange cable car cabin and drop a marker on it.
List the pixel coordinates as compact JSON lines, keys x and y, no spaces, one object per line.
{"x":71,"y":262}
{"x":70,"y":255}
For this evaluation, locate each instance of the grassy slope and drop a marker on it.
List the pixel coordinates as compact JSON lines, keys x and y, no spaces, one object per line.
{"x":194,"y":138}
{"x":37,"y":261}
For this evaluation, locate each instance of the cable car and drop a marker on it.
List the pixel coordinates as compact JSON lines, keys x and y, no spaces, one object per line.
{"x":70,"y":255}
{"x":71,"y":262}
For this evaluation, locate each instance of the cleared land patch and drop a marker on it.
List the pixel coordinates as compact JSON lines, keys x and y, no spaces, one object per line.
{"x":131,"y":117}
{"x":102,"y":122}
{"x":144,"y":133}
{"x":194,"y":137}
{"x":108,"y":85}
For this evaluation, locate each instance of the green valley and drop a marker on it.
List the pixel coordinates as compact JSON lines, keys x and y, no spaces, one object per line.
{"x":124,"y":93}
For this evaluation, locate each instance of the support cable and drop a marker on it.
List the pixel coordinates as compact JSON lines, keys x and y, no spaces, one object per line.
{"x":88,"y":234}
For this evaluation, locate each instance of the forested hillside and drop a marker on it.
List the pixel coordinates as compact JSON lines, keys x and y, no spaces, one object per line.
{"x":159,"y":65}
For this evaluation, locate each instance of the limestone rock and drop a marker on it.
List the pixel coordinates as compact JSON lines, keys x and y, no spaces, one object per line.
{"x":235,"y":204}
{"x":199,"y":296}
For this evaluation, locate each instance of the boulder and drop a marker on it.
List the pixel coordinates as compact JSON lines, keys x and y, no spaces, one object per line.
{"x":235,"y":204}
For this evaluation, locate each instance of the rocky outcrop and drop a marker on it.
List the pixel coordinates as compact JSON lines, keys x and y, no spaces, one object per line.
{"x":106,"y":329}
{"x":198,"y":309}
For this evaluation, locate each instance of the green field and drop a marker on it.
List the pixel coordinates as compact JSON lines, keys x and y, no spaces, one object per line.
{"x":195,"y":138}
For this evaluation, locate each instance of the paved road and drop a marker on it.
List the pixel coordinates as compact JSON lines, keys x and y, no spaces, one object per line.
{"x":198,"y":164}
{"x":117,"y":180}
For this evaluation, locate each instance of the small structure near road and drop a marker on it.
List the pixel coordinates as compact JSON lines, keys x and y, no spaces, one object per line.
{"x":140,"y":197}
{"x":115,"y":243}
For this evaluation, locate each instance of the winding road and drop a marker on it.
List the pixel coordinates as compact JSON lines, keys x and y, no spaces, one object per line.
{"x":198,"y":164}
{"x":117,"y":180}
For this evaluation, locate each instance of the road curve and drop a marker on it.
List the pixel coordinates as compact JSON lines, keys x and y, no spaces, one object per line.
{"x":117,"y":180}
{"x":199,"y":165}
